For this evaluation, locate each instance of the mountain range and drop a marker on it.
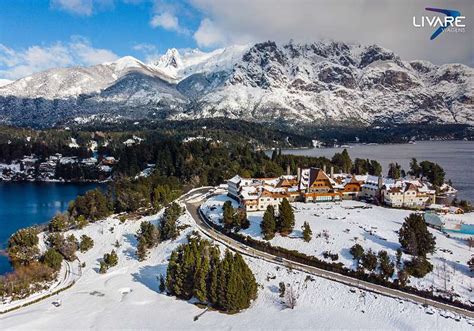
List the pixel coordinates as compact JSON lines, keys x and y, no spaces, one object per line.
{"x":318,"y":83}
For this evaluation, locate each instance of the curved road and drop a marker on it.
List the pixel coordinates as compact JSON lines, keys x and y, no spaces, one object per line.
{"x":193,"y":204}
{"x":70,"y":276}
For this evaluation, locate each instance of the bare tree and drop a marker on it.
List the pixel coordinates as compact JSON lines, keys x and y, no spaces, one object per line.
{"x":291,"y":297}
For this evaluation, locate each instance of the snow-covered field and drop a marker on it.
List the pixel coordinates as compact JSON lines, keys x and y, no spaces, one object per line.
{"x":338,"y":226}
{"x":127,"y":297}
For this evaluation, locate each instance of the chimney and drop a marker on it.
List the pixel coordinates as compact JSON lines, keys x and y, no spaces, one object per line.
{"x":298,"y":175}
{"x":332,"y":172}
{"x":288,"y":169}
{"x":324,"y":168}
{"x":380,"y":182}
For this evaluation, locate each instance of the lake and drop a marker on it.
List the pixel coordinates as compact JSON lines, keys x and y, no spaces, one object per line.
{"x":456,"y":158}
{"x":24,"y":204}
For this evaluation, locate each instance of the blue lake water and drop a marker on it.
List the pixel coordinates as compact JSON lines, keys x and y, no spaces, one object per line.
{"x":24,"y":204}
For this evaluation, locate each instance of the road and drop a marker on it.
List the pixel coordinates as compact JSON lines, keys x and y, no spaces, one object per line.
{"x":192,"y":205}
{"x":69,"y":274}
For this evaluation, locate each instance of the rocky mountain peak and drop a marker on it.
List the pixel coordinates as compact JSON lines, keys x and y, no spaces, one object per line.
{"x":318,"y":82}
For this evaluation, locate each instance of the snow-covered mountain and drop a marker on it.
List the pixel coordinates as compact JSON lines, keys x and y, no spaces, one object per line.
{"x":4,"y":82}
{"x":178,"y":66}
{"x":321,"y":82}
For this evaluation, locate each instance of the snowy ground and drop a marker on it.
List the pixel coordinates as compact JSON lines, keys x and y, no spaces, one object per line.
{"x":127,"y":297}
{"x":338,"y":226}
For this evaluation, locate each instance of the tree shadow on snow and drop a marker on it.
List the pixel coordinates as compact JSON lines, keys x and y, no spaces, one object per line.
{"x":149,"y":276}
{"x":274,"y":289}
{"x":378,"y":240}
{"x":130,"y":252}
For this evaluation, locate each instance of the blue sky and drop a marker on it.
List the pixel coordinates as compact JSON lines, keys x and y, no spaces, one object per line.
{"x":39,"y":34}
{"x":114,"y":25}
{"x":121,"y":27}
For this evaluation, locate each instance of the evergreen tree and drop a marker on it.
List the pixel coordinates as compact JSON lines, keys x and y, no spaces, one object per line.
{"x":357,"y":252}
{"x":470,"y":263}
{"x":307,"y":233}
{"x":228,"y":215}
{"x":162,"y":284}
{"x":375,"y":168}
{"x":274,"y":154}
{"x":81,"y":222}
{"x":287,"y":218}
{"x":399,"y":257}
{"x":103,"y":267}
{"x":369,"y":260}
{"x":196,"y":270}
{"x":59,"y":223}
{"x":148,"y":236}
{"x":86,"y":243}
{"x":394,"y":170}
{"x":110,"y":259}
{"x":200,"y":289}
{"x":387,"y":268}
{"x":282,"y":289}
{"x":268,"y":224}
{"x":142,"y":252}
{"x":415,"y":237}
{"x":171,"y":273}
{"x":23,"y":246}
{"x":433,"y":171}
{"x":214,"y":285}
{"x":402,"y":277}
{"x":415,"y":169}
{"x":418,"y":266}
{"x":53,"y":259}
{"x":168,"y":224}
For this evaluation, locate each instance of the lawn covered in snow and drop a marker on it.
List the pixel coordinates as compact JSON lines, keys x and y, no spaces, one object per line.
{"x":127,"y":296}
{"x":338,"y":226}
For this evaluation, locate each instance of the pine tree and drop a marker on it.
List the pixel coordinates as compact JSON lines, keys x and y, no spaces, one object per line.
{"x":111,"y":259}
{"x":399,"y":257}
{"x":141,"y":250}
{"x":357,"y":252}
{"x":415,"y":237}
{"x":196,"y":270}
{"x":268,"y":224}
{"x":168,"y":224}
{"x":287,"y":218}
{"x":282,"y":289}
{"x":171,"y":271}
{"x":387,"y":268}
{"x":228,"y":215}
{"x":232,"y":291}
{"x":213,"y":285}
{"x":86,"y":243}
{"x":369,"y":260}
{"x":162,"y":284}
{"x":394,"y":170}
{"x":307,"y":233}
{"x":200,"y":289}
{"x":103,"y":267}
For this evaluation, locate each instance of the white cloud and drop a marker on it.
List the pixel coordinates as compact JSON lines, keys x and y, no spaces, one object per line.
{"x":208,"y":34}
{"x":16,"y":63}
{"x":81,"y":7}
{"x":78,"y":7}
{"x":144,"y":47}
{"x":384,"y":22}
{"x":88,"y":55}
{"x":150,"y":51}
{"x":167,"y":21}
